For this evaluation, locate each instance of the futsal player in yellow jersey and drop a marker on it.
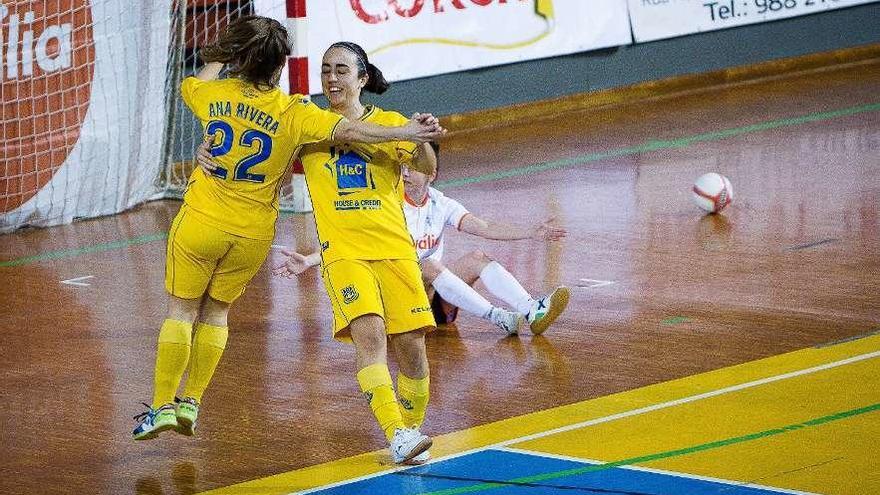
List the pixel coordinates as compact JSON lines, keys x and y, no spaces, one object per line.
{"x":368,"y":261}
{"x":224,"y":230}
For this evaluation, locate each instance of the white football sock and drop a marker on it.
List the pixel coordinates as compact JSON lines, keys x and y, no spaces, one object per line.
{"x":503,"y":286}
{"x":456,"y":292}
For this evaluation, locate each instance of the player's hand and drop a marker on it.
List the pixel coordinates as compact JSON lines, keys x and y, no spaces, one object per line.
{"x":294,"y":266}
{"x":426,"y":118}
{"x":548,"y":231}
{"x":424,"y":127}
{"x":203,"y":155}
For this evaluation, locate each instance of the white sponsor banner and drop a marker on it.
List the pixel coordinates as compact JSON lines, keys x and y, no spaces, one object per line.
{"x":414,"y":38}
{"x":83,"y":93}
{"x":658,"y":19}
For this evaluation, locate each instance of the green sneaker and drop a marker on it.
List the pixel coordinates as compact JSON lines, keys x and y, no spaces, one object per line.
{"x":187,"y":414}
{"x":154,"y":421}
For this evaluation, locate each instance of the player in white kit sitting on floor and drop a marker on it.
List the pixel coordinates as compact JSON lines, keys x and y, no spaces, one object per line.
{"x":428,"y":212}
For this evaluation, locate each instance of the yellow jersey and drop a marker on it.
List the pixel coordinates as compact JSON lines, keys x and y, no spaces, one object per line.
{"x":356,"y":192}
{"x":256,"y":133}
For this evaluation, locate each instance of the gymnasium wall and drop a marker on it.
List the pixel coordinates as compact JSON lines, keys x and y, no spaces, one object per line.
{"x":550,"y":78}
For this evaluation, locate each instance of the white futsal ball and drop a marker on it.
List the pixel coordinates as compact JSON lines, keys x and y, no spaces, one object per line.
{"x":712,"y":192}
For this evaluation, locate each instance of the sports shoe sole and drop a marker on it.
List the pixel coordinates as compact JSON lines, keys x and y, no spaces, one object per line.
{"x":415,"y":461}
{"x":421,"y":447}
{"x":558,"y":303}
{"x":155,"y":431}
{"x":185,"y":427}
{"x":146,"y":436}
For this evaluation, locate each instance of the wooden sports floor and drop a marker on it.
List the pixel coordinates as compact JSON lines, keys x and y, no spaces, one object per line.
{"x":728,"y":354}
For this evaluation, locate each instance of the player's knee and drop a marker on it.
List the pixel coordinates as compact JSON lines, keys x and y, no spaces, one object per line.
{"x":368,"y":334}
{"x":479,"y":257}
{"x":183,"y":309}
{"x":214,"y":312}
{"x":431,"y":269}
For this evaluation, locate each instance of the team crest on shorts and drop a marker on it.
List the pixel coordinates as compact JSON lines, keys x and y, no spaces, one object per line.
{"x":349,"y":294}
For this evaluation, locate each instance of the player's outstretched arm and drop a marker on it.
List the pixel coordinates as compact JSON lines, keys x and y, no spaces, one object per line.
{"x":545,"y":231}
{"x":420,"y":129}
{"x":296,"y":264}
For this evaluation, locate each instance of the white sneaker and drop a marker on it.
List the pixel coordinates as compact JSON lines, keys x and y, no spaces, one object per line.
{"x":547,"y":309}
{"x":407,"y":444}
{"x":509,"y":321}
{"x":419,"y":459}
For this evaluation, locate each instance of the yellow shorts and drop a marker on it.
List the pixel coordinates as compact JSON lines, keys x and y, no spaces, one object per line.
{"x":392,"y":289}
{"x":202,"y":258}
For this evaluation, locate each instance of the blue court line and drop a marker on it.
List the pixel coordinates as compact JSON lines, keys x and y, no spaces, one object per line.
{"x":660,"y":455}
{"x":458,"y":473}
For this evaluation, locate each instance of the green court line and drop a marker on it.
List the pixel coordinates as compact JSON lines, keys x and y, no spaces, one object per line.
{"x":661,"y":455}
{"x":652,"y":145}
{"x":656,"y":145}
{"x":675,"y":320}
{"x":69,"y":253}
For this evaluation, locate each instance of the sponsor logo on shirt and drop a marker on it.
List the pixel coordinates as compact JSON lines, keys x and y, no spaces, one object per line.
{"x":351,"y":173}
{"x":358,"y":204}
{"x":427,"y":242}
{"x":423,"y":309}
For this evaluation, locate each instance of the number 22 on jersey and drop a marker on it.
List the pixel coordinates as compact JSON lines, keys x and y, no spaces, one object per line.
{"x":251,"y":138}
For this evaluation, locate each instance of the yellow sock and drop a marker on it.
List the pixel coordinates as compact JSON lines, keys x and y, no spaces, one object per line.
{"x":172,"y":356}
{"x":208,"y":346}
{"x":375,"y":382}
{"x":414,"y":396}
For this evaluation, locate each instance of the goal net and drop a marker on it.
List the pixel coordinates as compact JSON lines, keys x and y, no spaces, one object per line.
{"x":93,"y":122}
{"x":70,"y":117}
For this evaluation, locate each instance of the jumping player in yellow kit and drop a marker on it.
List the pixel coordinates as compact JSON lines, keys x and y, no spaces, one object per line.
{"x":224,"y":230}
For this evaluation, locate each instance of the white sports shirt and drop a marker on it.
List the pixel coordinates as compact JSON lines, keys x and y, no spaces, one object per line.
{"x":427,"y":221}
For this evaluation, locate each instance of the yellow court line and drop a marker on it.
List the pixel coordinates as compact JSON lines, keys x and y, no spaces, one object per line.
{"x":544,"y":423}
{"x":830,"y":457}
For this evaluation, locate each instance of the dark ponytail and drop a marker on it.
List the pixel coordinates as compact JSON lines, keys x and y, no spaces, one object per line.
{"x":376,"y":82}
{"x":255,"y":47}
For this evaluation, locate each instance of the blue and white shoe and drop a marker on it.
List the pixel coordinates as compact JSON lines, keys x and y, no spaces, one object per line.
{"x":545,"y":310}
{"x":154,"y":421}
{"x":509,"y":321}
